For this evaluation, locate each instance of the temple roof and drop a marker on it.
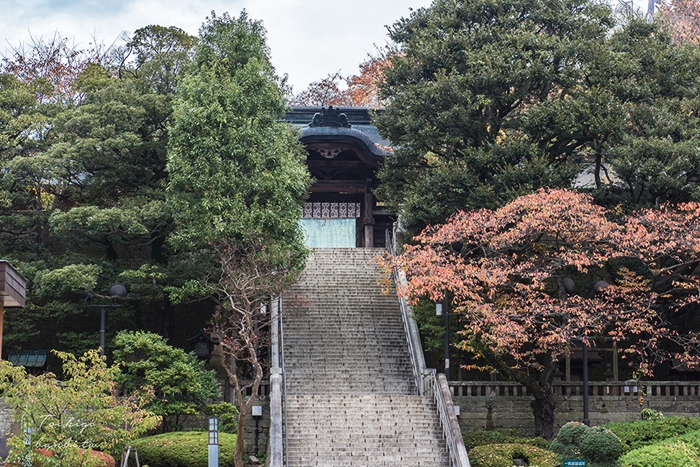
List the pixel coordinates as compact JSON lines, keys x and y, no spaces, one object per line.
{"x":348,"y":124}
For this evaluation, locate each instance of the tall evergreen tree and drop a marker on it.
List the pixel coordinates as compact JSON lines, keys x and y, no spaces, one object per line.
{"x":489,"y":99}
{"x":237,"y":181}
{"x":83,"y":185}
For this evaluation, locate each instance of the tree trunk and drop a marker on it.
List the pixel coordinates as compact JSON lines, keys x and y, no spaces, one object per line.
{"x":243,"y":408}
{"x":543,"y":411}
{"x":240,"y":441}
{"x":543,"y":406}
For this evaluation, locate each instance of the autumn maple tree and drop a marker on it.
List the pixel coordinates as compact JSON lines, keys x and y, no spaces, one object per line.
{"x":522,"y":278}
{"x":360,"y":90}
{"x":682,"y":18}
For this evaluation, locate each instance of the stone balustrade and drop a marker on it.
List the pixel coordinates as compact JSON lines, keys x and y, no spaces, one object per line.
{"x":501,"y":404}
{"x":689,"y":389}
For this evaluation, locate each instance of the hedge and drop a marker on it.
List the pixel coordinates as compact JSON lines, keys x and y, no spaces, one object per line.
{"x":502,"y":455}
{"x":676,"y":454}
{"x":183,"y":449}
{"x":503,"y":436}
{"x":641,"y":433}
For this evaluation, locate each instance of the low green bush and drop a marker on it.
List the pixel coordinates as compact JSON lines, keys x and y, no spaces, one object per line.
{"x":480,"y":438}
{"x":599,"y":446}
{"x":227,"y":413}
{"x":641,"y":433}
{"x":692,"y":439}
{"x":502,"y":455}
{"x":676,"y":454}
{"x":651,"y":414}
{"x":566,"y":444}
{"x":183,"y":449}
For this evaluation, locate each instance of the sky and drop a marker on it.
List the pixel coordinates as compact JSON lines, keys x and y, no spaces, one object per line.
{"x":308,"y":39}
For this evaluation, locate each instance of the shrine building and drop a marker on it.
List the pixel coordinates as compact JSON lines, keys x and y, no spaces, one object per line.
{"x":344,"y":154}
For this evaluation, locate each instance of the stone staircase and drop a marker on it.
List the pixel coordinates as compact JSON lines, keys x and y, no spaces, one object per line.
{"x":351,"y":399}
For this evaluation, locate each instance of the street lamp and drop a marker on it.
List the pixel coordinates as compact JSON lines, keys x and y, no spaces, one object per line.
{"x":213,"y":442}
{"x":116,"y":292}
{"x":446,"y":313}
{"x":257,"y":415}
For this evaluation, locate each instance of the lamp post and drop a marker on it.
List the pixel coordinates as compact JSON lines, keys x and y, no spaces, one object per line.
{"x":257,"y":415}
{"x":586,"y":421}
{"x":441,"y":310}
{"x":115,"y":292}
{"x":213,"y":442}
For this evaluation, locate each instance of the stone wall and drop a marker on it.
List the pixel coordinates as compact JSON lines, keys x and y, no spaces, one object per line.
{"x":606,"y":404}
{"x":6,"y":427}
{"x":263,"y":427}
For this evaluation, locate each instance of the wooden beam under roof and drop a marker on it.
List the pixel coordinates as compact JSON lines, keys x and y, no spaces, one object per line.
{"x":339,"y":186}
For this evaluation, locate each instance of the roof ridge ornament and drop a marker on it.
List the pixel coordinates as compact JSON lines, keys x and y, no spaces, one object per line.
{"x":331,"y":117}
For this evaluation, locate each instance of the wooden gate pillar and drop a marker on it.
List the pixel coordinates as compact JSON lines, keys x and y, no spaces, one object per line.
{"x":369,"y":216}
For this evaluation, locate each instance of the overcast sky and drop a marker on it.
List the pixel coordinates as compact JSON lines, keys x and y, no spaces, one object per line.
{"x":309,"y":39}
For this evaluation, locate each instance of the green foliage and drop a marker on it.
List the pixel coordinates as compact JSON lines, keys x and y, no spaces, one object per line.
{"x":227,"y":413}
{"x":180,"y":384}
{"x":236,"y":172}
{"x":480,"y":438}
{"x":82,"y":412}
{"x":489,"y":100}
{"x":655,"y":157}
{"x":502,"y":455}
{"x":641,"y":433}
{"x":599,"y":446}
{"x":650,"y":414}
{"x":676,"y":454}
{"x":681,"y":451}
{"x":567,"y":442}
{"x":237,"y":182}
{"x":82,"y":190}
{"x":183,"y":449}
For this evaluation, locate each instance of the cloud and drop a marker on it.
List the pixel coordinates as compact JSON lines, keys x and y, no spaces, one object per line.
{"x":308,"y":39}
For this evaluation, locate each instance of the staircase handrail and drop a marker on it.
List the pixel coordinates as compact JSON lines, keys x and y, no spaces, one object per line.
{"x":428,"y":382}
{"x":277,"y":389}
{"x":415,"y":348}
{"x":437,"y":388}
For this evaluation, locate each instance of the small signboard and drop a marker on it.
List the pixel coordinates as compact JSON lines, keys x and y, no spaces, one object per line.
{"x":574,"y":463}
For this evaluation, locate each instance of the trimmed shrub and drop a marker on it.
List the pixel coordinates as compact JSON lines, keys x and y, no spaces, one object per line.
{"x":676,"y":454}
{"x":601,"y":447}
{"x":692,"y":439}
{"x":504,"y":436}
{"x":502,"y":455}
{"x":641,"y":433}
{"x":183,"y":449}
{"x":566,"y":444}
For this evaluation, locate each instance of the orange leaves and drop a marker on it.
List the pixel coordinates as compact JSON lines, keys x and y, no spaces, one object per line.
{"x":682,"y":18}
{"x":359,"y":90}
{"x":658,"y":236}
{"x":505,"y":269}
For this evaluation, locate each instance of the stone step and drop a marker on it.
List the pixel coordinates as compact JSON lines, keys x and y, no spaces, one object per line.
{"x":350,"y":387}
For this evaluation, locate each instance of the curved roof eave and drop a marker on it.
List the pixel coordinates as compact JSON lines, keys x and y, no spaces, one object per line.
{"x":314,"y":134}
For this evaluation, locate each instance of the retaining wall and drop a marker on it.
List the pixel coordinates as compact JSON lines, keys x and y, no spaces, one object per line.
{"x":507,"y":405}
